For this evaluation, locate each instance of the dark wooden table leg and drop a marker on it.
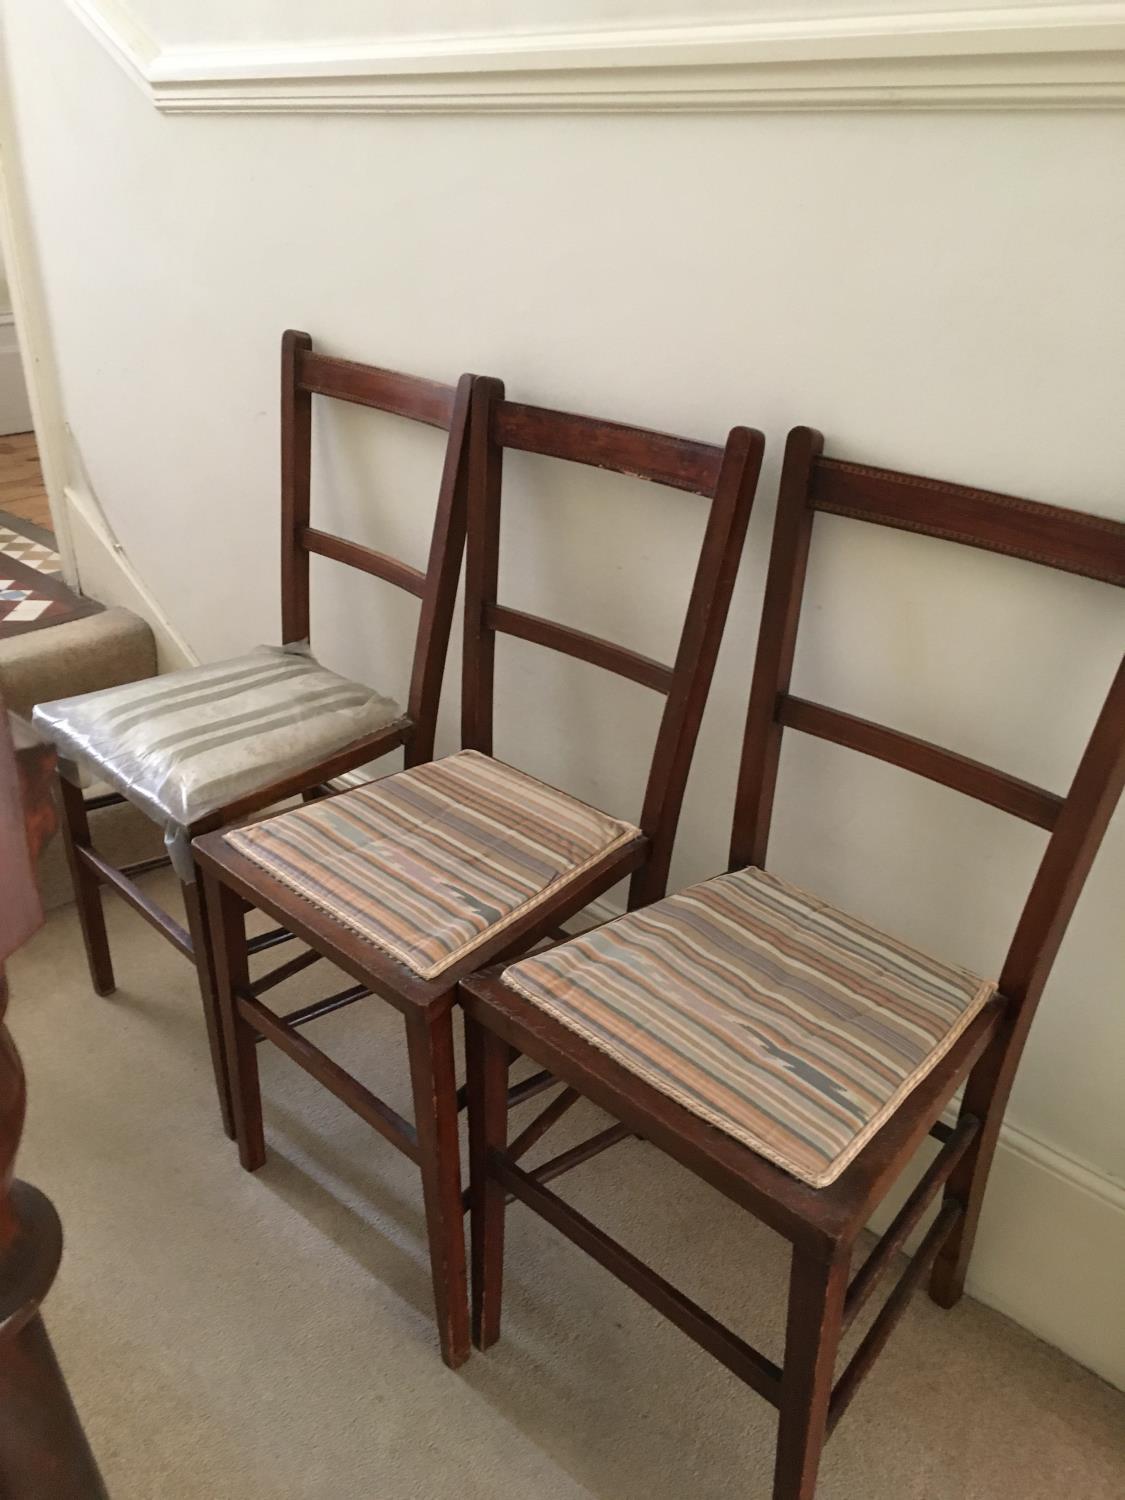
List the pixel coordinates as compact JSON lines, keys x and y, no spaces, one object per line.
{"x":43,"y":1450}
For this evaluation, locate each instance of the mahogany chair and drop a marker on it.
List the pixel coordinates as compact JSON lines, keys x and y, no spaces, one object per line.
{"x":791,"y":1055}
{"x":200,"y":748}
{"x":410,"y":883}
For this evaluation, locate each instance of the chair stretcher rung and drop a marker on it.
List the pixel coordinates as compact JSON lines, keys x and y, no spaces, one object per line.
{"x":143,"y":866}
{"x":317,"y":1008}
{"x":542,"y":1123}
{"x":583,"y":1152}
{"x":368,"y":1106}
{"x":271,"y":939}
{"x":527,"y":1088}
{"x":893,"y":1309}
{"x":738,"y":1356}
{"x":105,"y":799}
{"x":519,"y":1093}
{"x":898,"y":1231}
{"x":110,"y":875}
{"x":284,"y":971}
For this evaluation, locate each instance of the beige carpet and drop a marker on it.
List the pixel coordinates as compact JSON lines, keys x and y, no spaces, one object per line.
{"x":269,"y":1336}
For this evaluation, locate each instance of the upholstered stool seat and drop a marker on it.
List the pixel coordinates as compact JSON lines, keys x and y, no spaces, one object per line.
{"x":429,"y":862}
{"x":793,"y":1027}
{"x":183,"y":745}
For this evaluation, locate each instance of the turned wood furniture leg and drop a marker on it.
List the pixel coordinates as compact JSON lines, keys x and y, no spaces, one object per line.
{"x":224,"y":910}
{"x":429,"y":1038}
{"x":43,"y":1450}
{"x":812,"y":1337}
{"x":87,"y":891}
{"x":487,"y":1060}
{"x":195,"y":907}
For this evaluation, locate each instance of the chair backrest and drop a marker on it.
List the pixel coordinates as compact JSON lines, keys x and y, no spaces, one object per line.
{"x":726,"y":477}
{"x":304,"y":374}
{"x":1093,"y":546}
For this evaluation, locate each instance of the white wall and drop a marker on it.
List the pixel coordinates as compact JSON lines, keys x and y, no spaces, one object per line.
{"x":15,"y":414}
{"x":940,"y":292}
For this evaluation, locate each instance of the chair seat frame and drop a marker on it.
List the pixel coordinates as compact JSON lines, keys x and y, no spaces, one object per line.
{"x":822,"y":1224}
{"x":727,"y":478}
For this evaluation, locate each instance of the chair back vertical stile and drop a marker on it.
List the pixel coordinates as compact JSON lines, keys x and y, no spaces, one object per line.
{"x":770,"y":1042}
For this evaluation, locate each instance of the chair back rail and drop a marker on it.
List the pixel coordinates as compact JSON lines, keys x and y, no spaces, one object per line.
{"x":725,"y":476}
{"x":305,"y":373}
{"x":1089,"y":545}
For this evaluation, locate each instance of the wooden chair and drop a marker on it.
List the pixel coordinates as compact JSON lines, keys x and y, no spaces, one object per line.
{"x":763,"y":1039}
{"x":292,"y":724}
{"x":410,"y":883}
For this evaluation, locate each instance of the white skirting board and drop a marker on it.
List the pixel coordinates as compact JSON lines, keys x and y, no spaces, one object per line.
{"x":15,"y":410}
{"x":1050,"y":1249}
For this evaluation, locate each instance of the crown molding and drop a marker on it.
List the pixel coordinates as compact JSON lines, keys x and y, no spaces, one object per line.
{"x":1007,"y":57}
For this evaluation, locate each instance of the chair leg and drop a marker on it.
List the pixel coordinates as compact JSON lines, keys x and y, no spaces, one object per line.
{"x":812,"y":1337}
{"x":429,"y":1039}
{"x":986,"y":1097}
{"x":487,"y":1059}
{"x":228,"y":947}
{"x":87,"y":890}
{"x":195,"y":907}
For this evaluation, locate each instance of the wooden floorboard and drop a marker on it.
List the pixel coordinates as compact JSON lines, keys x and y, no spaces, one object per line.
{"x":21,"y":480}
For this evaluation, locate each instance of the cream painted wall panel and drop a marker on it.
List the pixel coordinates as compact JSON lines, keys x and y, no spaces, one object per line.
{"x":937,"y":292}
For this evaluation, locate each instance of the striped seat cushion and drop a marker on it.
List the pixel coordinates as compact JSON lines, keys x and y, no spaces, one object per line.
{"x":796,"y":1029}
{"x":428,"y":863}
{"x":183,"y":745}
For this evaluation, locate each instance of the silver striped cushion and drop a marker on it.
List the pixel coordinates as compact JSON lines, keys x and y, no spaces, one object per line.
{"x":183,"y":745}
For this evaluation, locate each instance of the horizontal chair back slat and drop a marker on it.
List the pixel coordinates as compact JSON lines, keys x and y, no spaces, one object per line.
{"x":366,"y":559}
{"x":726,"y":477}
{"x":973,"y":777}
{"x":1073,"y":541}
{"x":410,"y":396}
{"x":577,"y":643}
{"x":656,"y":456}
{"x":305,"y":373}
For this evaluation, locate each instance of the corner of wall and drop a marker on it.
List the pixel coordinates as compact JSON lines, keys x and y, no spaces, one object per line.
{"x":106,"y":574}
